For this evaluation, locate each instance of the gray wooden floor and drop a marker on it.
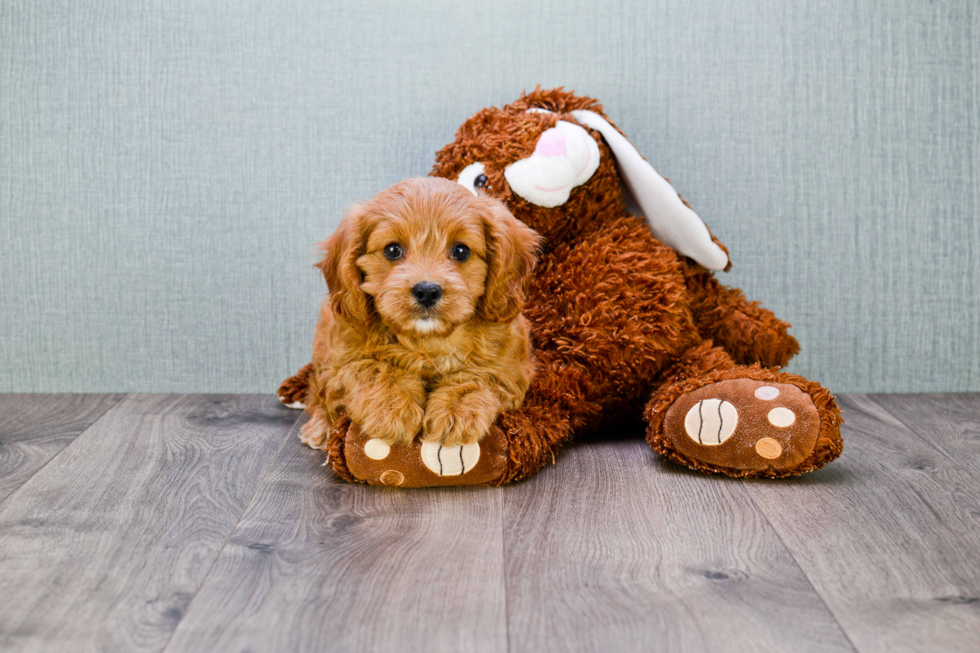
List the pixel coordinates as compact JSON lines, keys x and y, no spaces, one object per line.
{"x":199,"y":523}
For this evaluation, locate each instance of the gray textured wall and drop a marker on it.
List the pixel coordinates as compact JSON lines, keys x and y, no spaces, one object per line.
{"x":166,"y":166}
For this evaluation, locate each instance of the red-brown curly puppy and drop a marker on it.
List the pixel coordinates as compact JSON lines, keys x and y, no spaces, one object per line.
{"x":625,"y":311}
{"x":422,"y":328}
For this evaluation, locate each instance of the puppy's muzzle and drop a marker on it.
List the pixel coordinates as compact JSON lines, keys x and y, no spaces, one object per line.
{"x":426,"y":293}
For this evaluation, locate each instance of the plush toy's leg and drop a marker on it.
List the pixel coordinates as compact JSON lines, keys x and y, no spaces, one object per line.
{"x":613,"y":307}
{"x":555,"y":406}
{"x":292,"y":391}
{"x":520,"y":443}
{"x":746,"y":330}
{"x":718,"y":417}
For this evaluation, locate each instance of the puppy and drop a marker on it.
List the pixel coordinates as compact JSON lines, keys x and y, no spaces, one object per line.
{"x":422,"y":328}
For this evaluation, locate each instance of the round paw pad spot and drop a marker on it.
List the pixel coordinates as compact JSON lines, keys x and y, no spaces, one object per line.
{"x":768,"y":448}
{"x":711,"y":421}
{"x":770,"y":434}
{"x":781,"y":417}
{"x":766,"y":393}
{"x":392,"y":477}
{"x":450,"y":460}
{"x":376,"y":449}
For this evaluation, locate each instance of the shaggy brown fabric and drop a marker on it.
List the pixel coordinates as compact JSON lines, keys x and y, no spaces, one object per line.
{"x":619,"y":320}
{"x":335,"y":449}
{"x":749,"y":332}
{"x":294,"y":389}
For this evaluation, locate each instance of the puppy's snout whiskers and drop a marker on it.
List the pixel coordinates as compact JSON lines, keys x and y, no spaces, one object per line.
{"x":427,"y":294}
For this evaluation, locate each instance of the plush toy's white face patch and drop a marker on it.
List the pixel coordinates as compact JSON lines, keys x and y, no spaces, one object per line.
{"x":565,"y":157}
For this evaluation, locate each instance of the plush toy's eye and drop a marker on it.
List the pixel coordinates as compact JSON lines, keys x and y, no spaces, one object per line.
{"x":473,"y":177}
{"x":393,"y":251}
{"x":461,"y":252}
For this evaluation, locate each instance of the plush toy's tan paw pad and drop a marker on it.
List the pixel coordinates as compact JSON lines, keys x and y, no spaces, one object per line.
{"x":425,"y":464}
{"x":450,"y":460}
{"x":744,"y":424}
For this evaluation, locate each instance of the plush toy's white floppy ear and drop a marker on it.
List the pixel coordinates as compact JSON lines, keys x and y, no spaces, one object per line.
{"x":670,"y":220}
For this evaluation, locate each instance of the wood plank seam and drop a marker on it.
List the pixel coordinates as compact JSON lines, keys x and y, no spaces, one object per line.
{"x":386,"y":565}
{"x":912,"y":429}
{"x":293,"y":432}
{"x":796,"y":562}
{"x":887,"y":536}
{"x":105,"y":413}
{"x":505,"y":562}
{"x":126,"y":526}
{"x":641,"y":567}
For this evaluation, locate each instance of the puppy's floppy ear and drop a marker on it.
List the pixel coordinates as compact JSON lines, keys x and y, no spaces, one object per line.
{"x":339,"y":266}
{"x":512,"y":249}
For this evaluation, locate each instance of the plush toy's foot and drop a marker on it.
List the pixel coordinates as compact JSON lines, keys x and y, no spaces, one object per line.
{"x":748,"y":422}
{"x":744,"y":424}
{"x":519,"y":444}
{"x":420,"y":464}
{"x":292,"y":391}
{"x":512,"y":450}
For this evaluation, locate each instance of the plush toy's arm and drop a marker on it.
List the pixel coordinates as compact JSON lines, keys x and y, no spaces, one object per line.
{"x":749,"y":332}
{"x":293,"y":390}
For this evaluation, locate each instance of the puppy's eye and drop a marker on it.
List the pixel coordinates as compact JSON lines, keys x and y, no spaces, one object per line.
{"x":480,"y":181}
{"x":393,"y":251}
{"x":461,"y":252}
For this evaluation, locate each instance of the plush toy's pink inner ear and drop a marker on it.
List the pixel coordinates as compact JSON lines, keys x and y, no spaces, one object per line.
{"x":670,"y":220}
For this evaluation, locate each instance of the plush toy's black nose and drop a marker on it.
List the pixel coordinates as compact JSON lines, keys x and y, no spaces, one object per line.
{"x":427,"y":293}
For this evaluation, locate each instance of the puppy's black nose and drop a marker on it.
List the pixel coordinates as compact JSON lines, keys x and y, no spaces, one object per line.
{"x":427,"y":293}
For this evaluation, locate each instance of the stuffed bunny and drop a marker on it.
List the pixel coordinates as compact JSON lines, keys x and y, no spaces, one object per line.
{"x":627,"y":317}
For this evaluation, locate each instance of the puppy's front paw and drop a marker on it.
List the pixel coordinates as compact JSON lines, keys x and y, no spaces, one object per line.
{"x":455,"y":418}
{"x":395,"y":417}
{"x":314,"y":433}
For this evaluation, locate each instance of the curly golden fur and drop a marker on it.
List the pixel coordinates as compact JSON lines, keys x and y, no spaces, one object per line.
{"x":398,"y":361}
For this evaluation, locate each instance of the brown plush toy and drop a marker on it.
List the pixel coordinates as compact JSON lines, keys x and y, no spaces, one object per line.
{"x":626,"y":315}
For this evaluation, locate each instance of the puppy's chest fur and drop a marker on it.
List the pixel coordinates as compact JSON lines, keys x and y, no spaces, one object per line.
{"x":435,"y":358}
